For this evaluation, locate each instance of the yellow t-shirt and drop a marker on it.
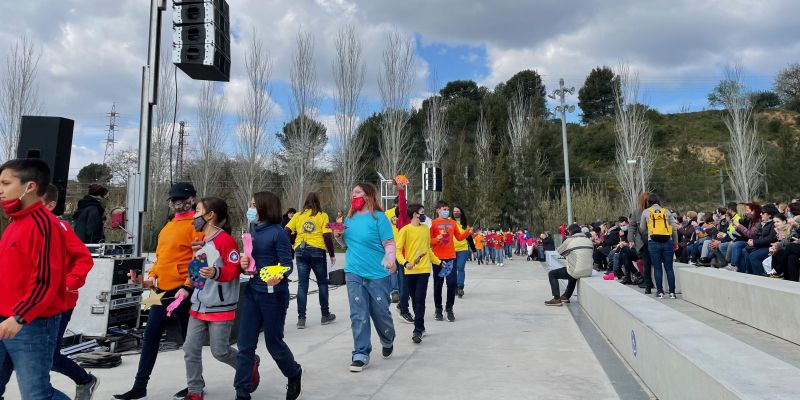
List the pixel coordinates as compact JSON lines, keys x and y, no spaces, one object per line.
{"x":416,"y":242}
{"x":309,"y":228}
{"x":390,"y":214}
{"x":460,"y":245}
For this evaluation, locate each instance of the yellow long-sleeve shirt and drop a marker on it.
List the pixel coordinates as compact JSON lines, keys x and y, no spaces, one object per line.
{"x":414,"y":242}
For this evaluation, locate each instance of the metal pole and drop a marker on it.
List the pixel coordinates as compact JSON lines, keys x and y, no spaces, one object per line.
{"x":722,"y":186}
{"x":641,"y":171}
{"x":149,"y":99}
{"x":423,"y":184}
{"x":566,"y":151}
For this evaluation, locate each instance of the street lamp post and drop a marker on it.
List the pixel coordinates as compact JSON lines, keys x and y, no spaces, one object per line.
{"x":640,"y":160}
{"x":562,"y":108}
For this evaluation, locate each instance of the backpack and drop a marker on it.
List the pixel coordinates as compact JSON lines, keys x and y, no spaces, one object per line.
{"x":658,"y":225}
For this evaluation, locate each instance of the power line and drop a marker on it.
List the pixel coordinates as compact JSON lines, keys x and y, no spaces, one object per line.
{"x":111,"y":131}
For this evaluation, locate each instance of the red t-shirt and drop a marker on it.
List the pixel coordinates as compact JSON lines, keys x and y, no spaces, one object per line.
{"x":509,"y":238}
{"x":498,"y":241}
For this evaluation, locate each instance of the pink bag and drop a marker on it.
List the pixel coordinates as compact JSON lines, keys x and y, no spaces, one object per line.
{"x":247,"y":242}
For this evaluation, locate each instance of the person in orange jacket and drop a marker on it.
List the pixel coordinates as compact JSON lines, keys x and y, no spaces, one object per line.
{"x":167,"y":276}
{"x":443,"y":232}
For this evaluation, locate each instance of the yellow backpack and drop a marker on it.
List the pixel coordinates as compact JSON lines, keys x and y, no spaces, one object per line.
{"x":658,"y":225}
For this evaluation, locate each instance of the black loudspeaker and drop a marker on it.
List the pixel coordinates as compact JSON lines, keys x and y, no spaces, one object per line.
{"x":433,"y":179}
{"x":49,"y":139}
{"x":201,"y":39}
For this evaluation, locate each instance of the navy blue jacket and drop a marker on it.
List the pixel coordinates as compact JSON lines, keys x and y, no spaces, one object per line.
{"x":271,"y":245}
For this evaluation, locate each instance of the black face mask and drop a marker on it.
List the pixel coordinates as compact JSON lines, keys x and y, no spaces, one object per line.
{"x":422,"y":218}
{"x":199,"y":223}
{"x":456,"y":216}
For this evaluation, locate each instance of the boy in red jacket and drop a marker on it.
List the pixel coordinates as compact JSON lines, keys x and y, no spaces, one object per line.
{"x":32,"y":284}
{"x":79,"y":262}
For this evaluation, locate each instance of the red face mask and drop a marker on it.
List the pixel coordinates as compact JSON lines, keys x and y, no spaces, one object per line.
{"x":357,"y":203}
{"x":14,"y":205}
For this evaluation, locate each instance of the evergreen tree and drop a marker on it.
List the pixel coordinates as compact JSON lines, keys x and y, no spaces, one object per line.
{"x":596,"y":97}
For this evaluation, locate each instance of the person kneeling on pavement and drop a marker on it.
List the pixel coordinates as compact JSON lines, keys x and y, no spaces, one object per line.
{"x":578,"y":251}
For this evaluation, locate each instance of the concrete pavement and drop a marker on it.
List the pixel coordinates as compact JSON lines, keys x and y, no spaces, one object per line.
{"x":505,"y":344}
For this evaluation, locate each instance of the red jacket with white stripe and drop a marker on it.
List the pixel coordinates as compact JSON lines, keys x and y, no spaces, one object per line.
{"x":32,"y":265}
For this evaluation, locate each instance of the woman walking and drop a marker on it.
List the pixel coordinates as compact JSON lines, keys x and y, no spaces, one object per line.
{"x":659,"y":227}
{"x":313,"y":238}
{"x":637,"y":239}
{"x":371,"y":256}
{"x":462,"y":248}
{"x":266,"y":300}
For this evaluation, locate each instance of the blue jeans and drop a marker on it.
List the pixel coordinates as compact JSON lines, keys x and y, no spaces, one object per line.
{"x":30,"y":355}
{"x":499,"y":255}
{"x":311,"y":259}
{"x":736,"y":254}
{"x":63,"y":364}
{"x":490,"y":254}
{"x":541,"y":253}
{"x":508,"y":250}
{"x":461,"y":263}
{"x":262,"y":310}
{"x":752,"y":260}
{"x":662,"y":253}
{"x":481,"y":255}
{"x":369,"y":298}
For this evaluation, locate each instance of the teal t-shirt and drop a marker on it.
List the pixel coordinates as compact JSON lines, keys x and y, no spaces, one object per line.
{"x":364,"y":238}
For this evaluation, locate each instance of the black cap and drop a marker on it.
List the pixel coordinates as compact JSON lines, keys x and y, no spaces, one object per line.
{"x":182,"y":190}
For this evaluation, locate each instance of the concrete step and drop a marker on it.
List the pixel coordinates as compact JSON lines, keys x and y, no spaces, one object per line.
{"x":771,"y":305}
{"x":679,"y":356}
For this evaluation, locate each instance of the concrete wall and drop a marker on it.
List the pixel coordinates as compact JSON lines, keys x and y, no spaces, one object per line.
{"x":678,"y":357}
{"x":771,"y":305}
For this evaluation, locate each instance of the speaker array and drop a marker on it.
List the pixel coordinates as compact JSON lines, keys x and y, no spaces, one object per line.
{"x":201,"y":39}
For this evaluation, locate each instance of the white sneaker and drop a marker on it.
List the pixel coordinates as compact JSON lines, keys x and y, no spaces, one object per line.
{"x":672,"y":296}
{"x":660,"y":295}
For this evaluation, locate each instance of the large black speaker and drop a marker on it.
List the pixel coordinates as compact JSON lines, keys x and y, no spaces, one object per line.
{"x":49,"y":139}
{"x":201,"y":39}
{"x":433,"y":179}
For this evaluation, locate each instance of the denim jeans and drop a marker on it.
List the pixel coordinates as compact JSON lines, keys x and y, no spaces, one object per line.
{"x":311,"y":259}
{"x":461,"y":264}
{"x":417,"y":285}
{"x":541,"y":253}
{"x":736,"y":253}
{"x":752,"y":260}
{"x":30,"y":355}
{"x":63,"y":364}
{"x":369,"y":299}
{"x":627,"y":258}
{"x":268,"y":311}
{"x":490,"y":254}
{"x":157,"y":322}
{"x":404,"y":293}
{"x":450,"y":280}
{"x":508,"y":250}
{"x":481,"y":255}
{"x":498,"y":256}
{"x":662,"y":254}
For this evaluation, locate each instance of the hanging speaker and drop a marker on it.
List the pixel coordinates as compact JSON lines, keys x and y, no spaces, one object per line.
{"x":49,"y":139}
{"x":201,"y":39}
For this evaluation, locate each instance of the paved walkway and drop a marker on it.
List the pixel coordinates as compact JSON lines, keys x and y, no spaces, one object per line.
{"x":505,"y":344}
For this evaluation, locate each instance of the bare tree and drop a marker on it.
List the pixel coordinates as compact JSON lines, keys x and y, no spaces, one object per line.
{"x":633,"y":139}
{"x":435,"y":131}
{"x":348,"y":72}
{"x":19,"y":93}
{"x":523,"y":128}
{"x":485,"y":172}
{"x":746,"y":156}
{"x":304,"y":142}
{"x":395,"y":83}
{"x":253,"y":144}
{"x":210,"y":112}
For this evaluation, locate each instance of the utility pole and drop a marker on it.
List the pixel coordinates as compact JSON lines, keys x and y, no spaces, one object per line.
{"x":112,"y":126}
{"x":181,"y":144}
{"x":562,"y":108}
{"x":722,"y":186}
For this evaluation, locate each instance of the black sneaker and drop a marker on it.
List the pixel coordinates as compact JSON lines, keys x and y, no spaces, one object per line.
{"x":328,"y":319}
{"x":407,"y":318}
{"x":395,"y":296}
{"x":416,"y":338}
{"x":133,"y":394}
{"x":357,"y":366}
{"x":86,"y":391}
{"x":181,"y":394}
{"x":387,"y":352}
{"x":438,"y":316}
{"x":301,"y":323}
{"x":460,"y":292}
{"x":450,"y":316}
{"x":293,"y":388}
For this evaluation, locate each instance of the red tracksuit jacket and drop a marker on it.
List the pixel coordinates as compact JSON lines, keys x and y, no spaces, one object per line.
{"x":79,"y":262}
{"x":32,"y":265}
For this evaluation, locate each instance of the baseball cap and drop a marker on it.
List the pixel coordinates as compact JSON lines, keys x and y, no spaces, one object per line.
{"x":182,"y":190}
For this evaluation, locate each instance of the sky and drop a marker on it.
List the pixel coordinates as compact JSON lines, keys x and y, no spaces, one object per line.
{"x":92,"y":51}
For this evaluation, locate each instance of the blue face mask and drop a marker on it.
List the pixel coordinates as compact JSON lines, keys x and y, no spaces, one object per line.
{"x":444,"y":213}
{"x":252,"y":215}
{"x":422,"y":218}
